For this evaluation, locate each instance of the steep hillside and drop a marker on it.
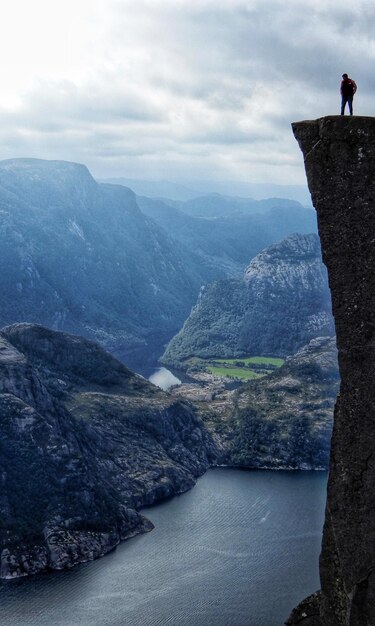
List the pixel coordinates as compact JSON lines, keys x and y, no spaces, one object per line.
{"x":282,"y":302}
{"x":81,"y":257}
{"x":285,"y":420}
{"x":84,"y":443}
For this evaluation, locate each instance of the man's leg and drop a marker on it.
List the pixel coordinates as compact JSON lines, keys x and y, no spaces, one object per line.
{"x":350,"y":103}
{"x":343,"y":103}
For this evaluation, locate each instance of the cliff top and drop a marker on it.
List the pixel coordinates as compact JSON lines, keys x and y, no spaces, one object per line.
{"x":339,"y":127}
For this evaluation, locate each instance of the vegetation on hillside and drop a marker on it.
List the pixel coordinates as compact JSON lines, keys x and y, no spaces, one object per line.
{"x":282,"y":420}
{"x":282,"y":302}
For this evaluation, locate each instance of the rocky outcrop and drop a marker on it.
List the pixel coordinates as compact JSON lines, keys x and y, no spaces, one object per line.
{"x":339,"y":157}
{"x":281,"y":421}
{"x":307,"y":613}
{"x":84,"y":444}
{"x":282,"y":302}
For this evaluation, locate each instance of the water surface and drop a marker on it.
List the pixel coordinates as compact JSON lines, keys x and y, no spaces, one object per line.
{"x":240,"y":549}
{"x":164,"y":378}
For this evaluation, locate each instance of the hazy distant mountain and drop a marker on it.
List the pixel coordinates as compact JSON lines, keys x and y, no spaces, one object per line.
{"x":155,"y":188}
{"x":229,"y":242}
{"x":217,"y":205}
{"x":186,"y":190}
{"x":82,"y":257}
{"x":282,"y":302}
{"x":258,"y":191}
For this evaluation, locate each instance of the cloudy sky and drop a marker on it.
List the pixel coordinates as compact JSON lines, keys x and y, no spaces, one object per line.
{"x":178,"y":89}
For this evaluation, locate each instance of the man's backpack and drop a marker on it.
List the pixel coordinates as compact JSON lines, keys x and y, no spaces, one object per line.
{"x":348,"y":87}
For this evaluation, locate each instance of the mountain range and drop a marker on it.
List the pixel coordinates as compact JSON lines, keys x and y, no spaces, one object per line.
{"x":82,"y":257}
{"x":187,"y":190}
{"x":225,"y":233}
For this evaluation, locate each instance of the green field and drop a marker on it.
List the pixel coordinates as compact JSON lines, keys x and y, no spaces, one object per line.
{"x":245,"y":368}
{"x":234,"y":372}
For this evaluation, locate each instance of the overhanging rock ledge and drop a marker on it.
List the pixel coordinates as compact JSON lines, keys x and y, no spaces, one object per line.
{"x":339,"y":154}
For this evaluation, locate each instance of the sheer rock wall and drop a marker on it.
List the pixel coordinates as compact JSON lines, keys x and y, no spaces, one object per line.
{"x":339,"y":154}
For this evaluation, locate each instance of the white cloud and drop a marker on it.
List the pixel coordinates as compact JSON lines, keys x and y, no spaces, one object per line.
{"x":175,"y":87}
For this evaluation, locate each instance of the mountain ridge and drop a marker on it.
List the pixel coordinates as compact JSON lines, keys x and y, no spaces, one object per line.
{"x":282,"y":301}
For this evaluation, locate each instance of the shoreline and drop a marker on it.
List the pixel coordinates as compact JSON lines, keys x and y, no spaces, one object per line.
{"x":148,"y":526}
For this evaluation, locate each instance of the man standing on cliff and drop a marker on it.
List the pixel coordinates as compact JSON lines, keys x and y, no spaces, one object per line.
{"x":348,"y":89}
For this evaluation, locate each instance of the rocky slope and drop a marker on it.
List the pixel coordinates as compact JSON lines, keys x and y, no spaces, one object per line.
{"x":282,"y":421}
{"x":282,"y":302}
{"x":339,"y":155}
{"x":84,"y":444}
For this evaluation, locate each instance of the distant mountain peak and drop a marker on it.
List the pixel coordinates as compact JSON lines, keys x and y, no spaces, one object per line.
{"x":296,"y":248}
{"x":44,"y":165}
{"x":41,"y":181}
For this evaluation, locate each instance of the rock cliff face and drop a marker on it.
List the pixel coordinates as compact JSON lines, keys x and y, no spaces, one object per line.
{"x":84,"y":444}
{"x":339,"y":157}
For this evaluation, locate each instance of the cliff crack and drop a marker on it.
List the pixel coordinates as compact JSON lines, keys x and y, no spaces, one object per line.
{"x":312,"y":149}
{"x":365,"y":469}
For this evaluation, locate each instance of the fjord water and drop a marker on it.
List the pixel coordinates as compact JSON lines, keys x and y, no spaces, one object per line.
{"x":164,"y":378}
{"x":240,"y":549}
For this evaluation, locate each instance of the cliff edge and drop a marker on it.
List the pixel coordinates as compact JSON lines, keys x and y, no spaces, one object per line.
{"x":339,"y":154}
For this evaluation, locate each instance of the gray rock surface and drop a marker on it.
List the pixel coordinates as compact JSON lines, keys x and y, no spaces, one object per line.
{"x":307,"y":613}
{"x":84,"y":444}
{"x":339,"y":155}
